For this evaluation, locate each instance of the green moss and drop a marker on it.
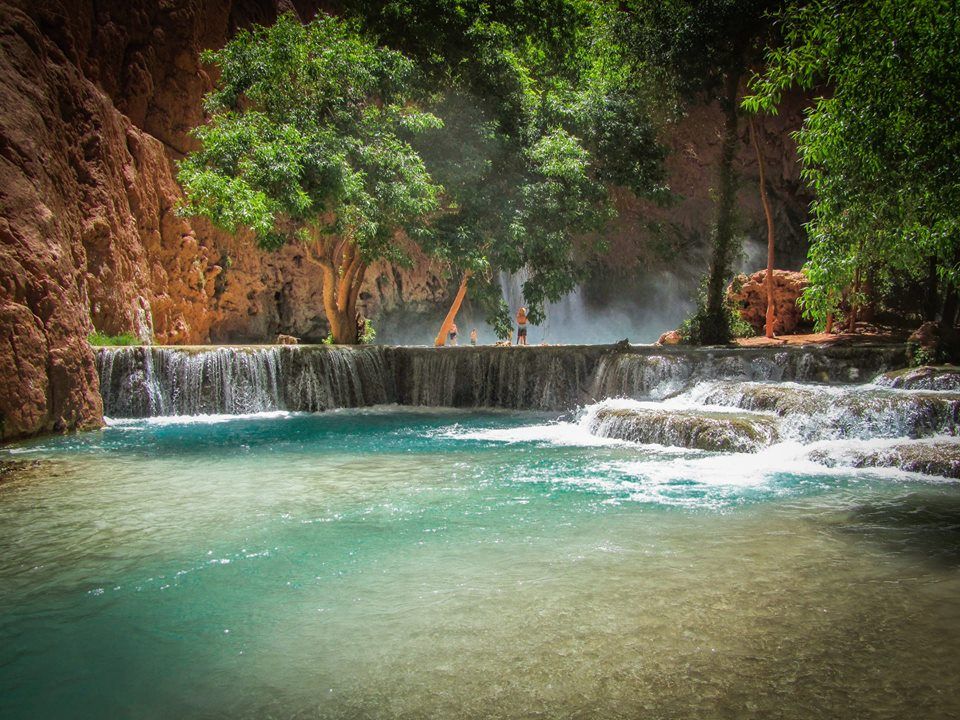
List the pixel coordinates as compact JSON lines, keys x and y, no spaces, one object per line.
{"x":97,"y":339}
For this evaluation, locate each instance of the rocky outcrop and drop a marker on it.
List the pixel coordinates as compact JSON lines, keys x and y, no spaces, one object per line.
{"x":940,"y":458}
{"x":748,"y":293}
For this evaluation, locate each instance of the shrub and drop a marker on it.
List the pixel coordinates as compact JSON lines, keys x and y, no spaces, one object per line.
{"x":97,"y":339}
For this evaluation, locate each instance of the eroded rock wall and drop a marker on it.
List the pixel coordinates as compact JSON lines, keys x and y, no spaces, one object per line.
{"x":96,"y":101}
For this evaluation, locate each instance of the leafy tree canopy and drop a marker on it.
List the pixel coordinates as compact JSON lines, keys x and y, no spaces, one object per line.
{"x":540,"y":118}
{"x":882,"y":148}
{"x":309,"y":141}
{"x":701,"y":49}
{"x":318,"y":135}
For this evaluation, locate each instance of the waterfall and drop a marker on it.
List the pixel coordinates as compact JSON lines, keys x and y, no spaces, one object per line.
{"x":543,"y":378}
{"x":565,"y":321}
{"x":145,"y":381}
{"x":657,"y":373}
{"x":149,"y":381}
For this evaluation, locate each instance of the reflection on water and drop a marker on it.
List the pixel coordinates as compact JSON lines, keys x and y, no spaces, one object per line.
{"x":409,"y":564}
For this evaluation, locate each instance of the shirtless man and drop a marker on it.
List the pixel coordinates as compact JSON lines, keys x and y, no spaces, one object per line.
{"x":522,"y":326}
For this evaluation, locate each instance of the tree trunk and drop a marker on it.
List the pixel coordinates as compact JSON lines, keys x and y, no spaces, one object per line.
{"x":343,"y":270}
{"x":454,"y":309}
{"x":854,"y":295}
{"x":770,"y":236}
{"x":716,"y":328}
{"x":931,"y":301}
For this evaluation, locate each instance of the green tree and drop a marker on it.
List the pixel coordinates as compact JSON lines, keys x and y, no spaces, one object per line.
{"x":540,"y":120}
{"x":881,"y":148}
{"x":695,"y":50}
{"x":309,"y":142}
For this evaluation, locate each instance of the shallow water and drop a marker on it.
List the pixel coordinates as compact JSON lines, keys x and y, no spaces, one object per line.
{"x":405,"y":564}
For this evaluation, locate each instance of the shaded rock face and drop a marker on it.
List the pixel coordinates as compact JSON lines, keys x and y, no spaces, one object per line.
{"x":751,"y":299}
{"x":671,"y":244}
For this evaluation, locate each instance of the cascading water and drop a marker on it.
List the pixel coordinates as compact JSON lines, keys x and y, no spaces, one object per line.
{"x":654,"y":375}
{"x":150,"y":381}
{"x":548,"y":378}
{"x":139,"y":382}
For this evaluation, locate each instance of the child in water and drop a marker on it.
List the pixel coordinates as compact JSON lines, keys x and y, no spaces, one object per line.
{"x":522,"y":326}
{"x":473,"y":336}
{"x":453,"y":334}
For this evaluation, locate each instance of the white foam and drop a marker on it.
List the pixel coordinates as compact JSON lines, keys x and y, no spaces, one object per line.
{"x":161,"y":420}
{"x":555,"y":433}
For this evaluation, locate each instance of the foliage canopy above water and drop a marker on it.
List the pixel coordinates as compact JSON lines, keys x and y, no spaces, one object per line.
{"x":491,"y":144}
{"x":880,"y":147}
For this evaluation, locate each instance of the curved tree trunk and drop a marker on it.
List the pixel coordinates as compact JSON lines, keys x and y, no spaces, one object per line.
{"x":716,"y":329}
{"x":770,"y":235}
{"x":343,"y":271}
{"x":448,"y":321}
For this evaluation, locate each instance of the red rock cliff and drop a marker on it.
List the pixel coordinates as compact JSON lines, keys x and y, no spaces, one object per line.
{"x":96,"y":101}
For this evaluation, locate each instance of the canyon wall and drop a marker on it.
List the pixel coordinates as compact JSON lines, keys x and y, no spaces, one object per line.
{"x":96,"y":103}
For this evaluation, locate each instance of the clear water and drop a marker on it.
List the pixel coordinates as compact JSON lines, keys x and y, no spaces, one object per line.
{"x":396,"y":564}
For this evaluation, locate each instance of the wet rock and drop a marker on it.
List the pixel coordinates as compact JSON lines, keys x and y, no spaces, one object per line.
{"x":724,"y":432}
{"x":928,"y":377}
{"x":751,"y":300}
{"x":10,"y":469}
{"x":940,"y":458}
{"x":821,"y":412}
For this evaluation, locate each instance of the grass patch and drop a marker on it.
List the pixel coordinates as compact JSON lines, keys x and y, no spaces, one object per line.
{"x":97,"y":338}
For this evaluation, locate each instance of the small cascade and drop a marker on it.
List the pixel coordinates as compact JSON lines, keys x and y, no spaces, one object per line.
{"x":320,"y":378}
{"x":658,"y":373}
{"x":151,"y":381}
{"x":829,"y":412}
{"x":701,"y":430}
{"x":922,"y":378}
{"x":147,"y":381}
{"x":545,"y":378}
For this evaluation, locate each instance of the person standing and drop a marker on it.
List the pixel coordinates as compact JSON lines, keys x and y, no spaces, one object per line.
{"x":473,"y":336}
{"x":453,"y":334}
{"x":522,"y":326}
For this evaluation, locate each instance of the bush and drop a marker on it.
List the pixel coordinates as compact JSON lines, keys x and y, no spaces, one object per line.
{"x":97,"y":339}
{"x":706,"y":328}
{"x":369,"y":334}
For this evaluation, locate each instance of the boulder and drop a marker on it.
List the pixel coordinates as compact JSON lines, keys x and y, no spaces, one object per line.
{"x":749,"y":295}
{"x":671,"y":337}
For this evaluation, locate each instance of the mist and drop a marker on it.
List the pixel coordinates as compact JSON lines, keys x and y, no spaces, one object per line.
{"x":638,"y":311}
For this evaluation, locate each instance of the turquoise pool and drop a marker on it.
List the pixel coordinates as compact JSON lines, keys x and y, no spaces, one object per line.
{"x":392,"y":563}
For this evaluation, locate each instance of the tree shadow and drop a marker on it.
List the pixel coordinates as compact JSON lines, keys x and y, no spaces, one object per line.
{"x":924,"y":525}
